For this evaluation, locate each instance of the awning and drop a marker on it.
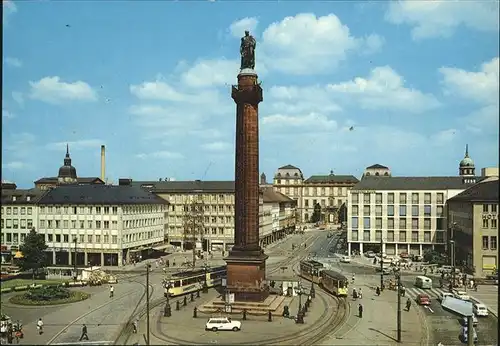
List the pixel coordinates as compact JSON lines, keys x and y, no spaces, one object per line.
{"x":18,"y":254}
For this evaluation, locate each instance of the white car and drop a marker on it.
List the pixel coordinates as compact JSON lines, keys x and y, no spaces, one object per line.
{"x":480,"y":310}
{"x":222,"y":323}
{"x":345,"y":259}
{"x":444,"y":295}
{"x":461,"y":295}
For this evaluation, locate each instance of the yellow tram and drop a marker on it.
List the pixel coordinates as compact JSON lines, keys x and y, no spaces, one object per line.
{"x":334,"y":282}
{"x":310,"y":270}
{"x":192,"y":280}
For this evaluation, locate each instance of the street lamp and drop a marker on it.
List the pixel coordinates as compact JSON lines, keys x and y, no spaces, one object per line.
{"x":299,"y":292}
{"x":398,"y":277}
{"x":168,"y":311}
{"x":75,"y":275}
{"x":205,"y":286}
{"x":148,"y":267}
{"x":452,"y":249}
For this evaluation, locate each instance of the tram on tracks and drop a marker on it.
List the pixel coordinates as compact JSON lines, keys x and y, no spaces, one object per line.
{"x":190,"y":281}
{"x":310,"y":270}
{"x":334,"y":283}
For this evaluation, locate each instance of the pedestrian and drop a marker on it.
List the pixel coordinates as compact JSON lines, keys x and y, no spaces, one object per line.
{"x":408,"y":304}
{"x":377,"y":291}
{"x":84,"y":333}
{"x":354,"y":294}
{"x":134,"y":325}
{"x":360,"y":294}
{"x":403,"y":291}
{"x":111,"y":291}
{"x":360,"y":310}
{"x":39,"y":326}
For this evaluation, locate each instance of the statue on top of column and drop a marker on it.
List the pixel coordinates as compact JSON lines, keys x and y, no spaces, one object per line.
{"x":247,"y":51}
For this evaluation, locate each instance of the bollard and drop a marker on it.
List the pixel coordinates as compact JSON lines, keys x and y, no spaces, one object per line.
{"x":177,"y":305}
{"x":167,"y":312}
{"x":185,"y":301}
{"x":286,"y":311}
{"x":313,"y":292}
{"x":192,"y":297}
{"x":300,"y":318}
{"x":244,"y":314}
{"x":195,"y":312}
{"x":197,"y":294}
{"x":269,"y":316}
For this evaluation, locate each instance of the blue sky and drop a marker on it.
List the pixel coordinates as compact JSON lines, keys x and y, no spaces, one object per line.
{"x":416,"y":81}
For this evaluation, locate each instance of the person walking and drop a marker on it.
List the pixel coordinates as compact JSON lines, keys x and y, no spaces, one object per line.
{"x":39,"y":326}
{"x":111,"y":291}
{"x":360,"y":311}
{"x":408,"y":304}
{"x":360,"y":293}
{"x":134,"y":325}
{"x":84,"y":333}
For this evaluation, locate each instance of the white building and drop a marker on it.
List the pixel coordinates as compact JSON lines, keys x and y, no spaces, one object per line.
{"x":108,"y":225}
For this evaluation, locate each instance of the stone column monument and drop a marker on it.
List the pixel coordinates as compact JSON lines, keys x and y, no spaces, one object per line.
{"x":246,"y":263}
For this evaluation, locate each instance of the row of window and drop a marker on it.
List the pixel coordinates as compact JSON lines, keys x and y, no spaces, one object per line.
{"x":489,"y":243}
{"x":74,"y":210}
{"x":403,"y":198}
{"x":402,"y":223}
{"x":206,"y":208}
{"x":322,"y":202}
{"x":490,"y":208}
{"x":17,"y":223}
{"x":415,"y":236}
{"x":77,"y":224}
{"x":18,"y":210}
{"x":221,"y":198}
{"x":206,"y":231}
{"x":64,"y":238}
{"x":415,"y":210}
{"x":315,"y":192}
{"x":490,"y":223}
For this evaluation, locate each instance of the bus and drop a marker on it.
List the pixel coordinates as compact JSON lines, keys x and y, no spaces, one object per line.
{"x":423,"y":282}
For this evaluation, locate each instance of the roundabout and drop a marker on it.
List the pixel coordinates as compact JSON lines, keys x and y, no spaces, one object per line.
{"x":326,"y":315}
{"x":50,"y":295}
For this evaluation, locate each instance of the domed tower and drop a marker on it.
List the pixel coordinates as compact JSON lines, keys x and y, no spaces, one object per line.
{"x":67,"y":173}
{"x":467,"y":168}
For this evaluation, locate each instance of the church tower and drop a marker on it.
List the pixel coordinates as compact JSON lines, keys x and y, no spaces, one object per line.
{"x":67,"y":173}
{"x":467,"y":168}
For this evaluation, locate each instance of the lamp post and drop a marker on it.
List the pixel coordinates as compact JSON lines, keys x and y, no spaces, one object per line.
{"x":76,"y":273}
{"x":299,"y":292}
{"x":148,"y":267}
{"x":205,"y":286}
{"x":381,"y":266}
{"x":398,"y":277}
{"x":452,"y":249}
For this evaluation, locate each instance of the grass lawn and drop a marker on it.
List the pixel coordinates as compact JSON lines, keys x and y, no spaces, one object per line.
{"x":24,"y":282}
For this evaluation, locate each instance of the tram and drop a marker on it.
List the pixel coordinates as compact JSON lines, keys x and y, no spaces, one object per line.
{"x":334,"y":283}
{"x":310,"y":270}
{"x":192,"y":280}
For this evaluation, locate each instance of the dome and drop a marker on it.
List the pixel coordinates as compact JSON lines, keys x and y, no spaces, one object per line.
{"x":466,"y":162}
{"x":67,"y":172}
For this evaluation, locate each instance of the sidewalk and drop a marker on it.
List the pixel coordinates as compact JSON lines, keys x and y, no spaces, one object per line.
{"x":379,"y":323}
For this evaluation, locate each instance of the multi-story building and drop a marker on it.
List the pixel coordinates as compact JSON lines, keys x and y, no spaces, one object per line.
{"x":19,"y":216}
{"x":327,"y":191}
{"x":473,"y":230}
{"x":67,"y":175}
{"x":217,"y":200}
{"x":405,"y":214}
{"x":107,"y":225}
{"x":277,"y":216}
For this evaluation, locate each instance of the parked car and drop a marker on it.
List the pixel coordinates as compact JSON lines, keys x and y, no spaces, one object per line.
{"x":345,"y":259}
{"x":444,"y":295}
{"x":461,"y":295}
{"x":370,"y":254}
{"x":463,"y":334}
{"x":222,"y":323}
{"x":423,"y":299}
{"x":404,"y":255}
{"x":480,"y":310}
{"x":474,"y":321}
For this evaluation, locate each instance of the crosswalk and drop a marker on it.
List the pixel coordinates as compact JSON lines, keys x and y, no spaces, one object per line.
{"x":433,"y":293}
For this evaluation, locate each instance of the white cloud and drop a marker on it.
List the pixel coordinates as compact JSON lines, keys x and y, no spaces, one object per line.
{"x":300,"y":100}
{"x":444,"y":137}
{"x":237,"y":28}
{"x":479,"y":86}
{"x":484,"y":120}
{"x":9,"y":8}
{"x":210,"y":73}
{"x":13,"y":62}
{"x":310,"y":122}
{"x":76,"y":145}
{"x":160,"y":155}
{"x":373,"y":44}
{"x":217,"y":146}
{"x":442,"y":18}
{"x":306,"y":44}
{"x":53,"y":90}
{"x":384,"y":89}
{"x":7,"y":115}
{"x":15,"y":165}
{"x":18,"y":97}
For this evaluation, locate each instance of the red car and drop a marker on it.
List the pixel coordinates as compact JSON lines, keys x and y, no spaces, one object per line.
{"x":423,"y":299}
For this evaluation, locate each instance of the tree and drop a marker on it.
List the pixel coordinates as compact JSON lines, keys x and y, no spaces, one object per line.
{"x":193,"y":222}
{"x":316,"y":216}
{"x":33,"y":250}
{"x":434,"y":257}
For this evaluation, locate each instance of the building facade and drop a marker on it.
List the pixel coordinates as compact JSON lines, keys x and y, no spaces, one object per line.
{"x":217,"y":201}
{"x":473,"y":231}
{"x":404,"y":214}
{"x":327,"y":191}
{"x":277,"y":218}
{"x":100,"y":224}
{"x":19,"y":216}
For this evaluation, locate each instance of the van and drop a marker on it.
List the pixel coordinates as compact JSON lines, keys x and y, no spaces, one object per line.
{"x":423,"y":282}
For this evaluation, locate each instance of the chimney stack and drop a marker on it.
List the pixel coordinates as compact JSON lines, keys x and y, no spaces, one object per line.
{"x":103,"y":163}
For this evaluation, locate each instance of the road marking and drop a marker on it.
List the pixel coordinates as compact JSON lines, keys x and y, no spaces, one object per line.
{"x":86,"y":343}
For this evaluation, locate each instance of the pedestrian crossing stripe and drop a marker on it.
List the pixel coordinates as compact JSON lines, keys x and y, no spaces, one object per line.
{"x":433,"y":293}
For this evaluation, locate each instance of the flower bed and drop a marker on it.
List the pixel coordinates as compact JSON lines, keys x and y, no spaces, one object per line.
{"x":50,"y":295}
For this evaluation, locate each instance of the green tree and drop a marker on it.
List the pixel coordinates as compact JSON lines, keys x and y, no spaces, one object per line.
{"x":434,"y":257}
{"x":316,"y":216}
{"x":33,"y":250}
